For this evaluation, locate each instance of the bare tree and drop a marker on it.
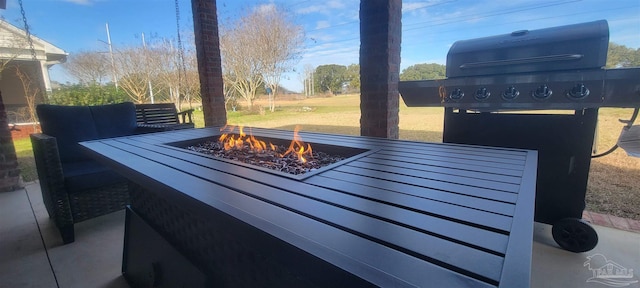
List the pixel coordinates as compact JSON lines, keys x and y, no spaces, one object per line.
{"x":279,"y":41}
{"x":257,"y":48}
{"x":165,"y":65}
{"x":132,"y":66}
{"x":31,"y":91}
{"x":181,"y":82}
{"x":229,"y":93}
{"x":240,"y":62}
{"x":191,"y":80}
{"x":89,"y":67}
{"x":12,"y":47}
{"x":190,"y":77}
{"x":308,"y":78}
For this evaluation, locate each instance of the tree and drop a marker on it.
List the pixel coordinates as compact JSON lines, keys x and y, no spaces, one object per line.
{"x":89,"y":67}
{"x":166,"y":64}
{"x":30,"y":89}
{"x":256,"y":49}
{"x":329,"y":78}
{"x":353,"y":76}
{"x":133,"y":69}
{"x":423,"y":72}
{"x":621,"y":56}
{"x":240,"y":65}
{"x":190,"y":80}
{"x":307,"y":79}
{"x":279,"y":41}
{"x":28,"y":72}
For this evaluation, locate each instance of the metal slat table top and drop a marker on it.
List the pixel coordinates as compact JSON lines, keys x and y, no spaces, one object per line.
{"x":405,"y":214}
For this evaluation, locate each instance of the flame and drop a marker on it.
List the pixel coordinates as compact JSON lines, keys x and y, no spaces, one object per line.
{"x":297,"y":147}
{"x":241,"y":139}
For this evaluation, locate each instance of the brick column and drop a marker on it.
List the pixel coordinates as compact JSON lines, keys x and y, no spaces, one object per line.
{"x":380,"y":35}
{"x":9,"y":172}
{"x":205,"y":24}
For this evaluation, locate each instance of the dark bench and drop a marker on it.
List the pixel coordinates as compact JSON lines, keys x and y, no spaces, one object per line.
{"x":162,"y":116}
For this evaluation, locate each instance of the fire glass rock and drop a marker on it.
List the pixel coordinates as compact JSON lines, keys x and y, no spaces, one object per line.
{"x":267,"y":158}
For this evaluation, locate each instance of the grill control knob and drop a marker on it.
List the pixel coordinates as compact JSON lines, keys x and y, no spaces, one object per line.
{"x":510,"y":94}
{"x":543,"y":92}
{"x":456,"y":94}
{"x":482,"y":94}
{"x":578,"y":92}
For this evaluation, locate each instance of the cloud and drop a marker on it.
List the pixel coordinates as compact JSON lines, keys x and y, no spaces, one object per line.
{"x":420,"y":8}
{"x":413,"y":6}
{"x":325,"y":8}
{"x":322,"y":24}
{"x":264,"y":8}
{"x":332,"y":53}
{"x":311,"y":9}
{"x":335,"y":4}
{"x":80,"y":2}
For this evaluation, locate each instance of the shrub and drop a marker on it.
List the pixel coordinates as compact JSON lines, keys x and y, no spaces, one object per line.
{"x":87,"y":95}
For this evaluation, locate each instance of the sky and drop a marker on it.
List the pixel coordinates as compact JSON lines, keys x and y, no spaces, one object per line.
{"x":429,"y":28}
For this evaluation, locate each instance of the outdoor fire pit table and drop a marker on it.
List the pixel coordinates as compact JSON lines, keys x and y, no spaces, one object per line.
{"x":392,"y":214}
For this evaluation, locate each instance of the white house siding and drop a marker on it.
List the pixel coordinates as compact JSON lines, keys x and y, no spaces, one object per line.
{"x":14,"y":46}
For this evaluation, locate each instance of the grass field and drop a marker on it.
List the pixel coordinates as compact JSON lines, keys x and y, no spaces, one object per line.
{"x":25,"y":159}
{"x":614,"y":180}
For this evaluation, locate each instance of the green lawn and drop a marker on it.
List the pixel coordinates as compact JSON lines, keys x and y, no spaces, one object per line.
{"x":25,"y":159}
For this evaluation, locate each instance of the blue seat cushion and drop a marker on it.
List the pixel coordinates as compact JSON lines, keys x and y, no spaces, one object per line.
{"x":83,"y":175}
{"x":73,"y":124}
{"x":115,"y":120}
{"x":69,"y":125}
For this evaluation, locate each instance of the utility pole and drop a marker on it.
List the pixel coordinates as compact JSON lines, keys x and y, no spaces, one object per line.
{"x":144,"y":45}
{"x":113,"y":64}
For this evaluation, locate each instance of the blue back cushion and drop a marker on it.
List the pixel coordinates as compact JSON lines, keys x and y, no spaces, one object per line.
{"x":70,"y":125}
{"x":115,"y":120}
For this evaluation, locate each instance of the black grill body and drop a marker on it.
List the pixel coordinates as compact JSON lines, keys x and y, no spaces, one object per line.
{"x":559,"y":68}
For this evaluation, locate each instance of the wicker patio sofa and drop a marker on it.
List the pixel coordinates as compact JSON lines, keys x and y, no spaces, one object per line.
{"x":74,"y":186}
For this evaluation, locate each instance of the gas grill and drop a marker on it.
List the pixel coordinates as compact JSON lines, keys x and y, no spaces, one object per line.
{"x":559,"y":68}
{"x":553,"y":68}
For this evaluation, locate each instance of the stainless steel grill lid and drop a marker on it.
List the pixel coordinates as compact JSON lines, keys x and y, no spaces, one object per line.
{"x":553,"y":68}
{"x":578,"y":46}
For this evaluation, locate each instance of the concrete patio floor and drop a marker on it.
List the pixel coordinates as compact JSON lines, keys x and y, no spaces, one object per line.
{"x":94,"y":259}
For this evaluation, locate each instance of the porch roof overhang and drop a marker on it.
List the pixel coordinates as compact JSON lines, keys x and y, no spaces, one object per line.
{"x":14,"y":45}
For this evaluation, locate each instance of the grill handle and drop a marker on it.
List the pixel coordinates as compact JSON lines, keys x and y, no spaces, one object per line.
{"x":520,"y":61}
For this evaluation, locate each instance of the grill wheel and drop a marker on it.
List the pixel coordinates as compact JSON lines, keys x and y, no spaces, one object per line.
{"x":574,"y":235}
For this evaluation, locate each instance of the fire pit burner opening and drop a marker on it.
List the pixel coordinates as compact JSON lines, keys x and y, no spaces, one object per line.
{"x":275,"y":158}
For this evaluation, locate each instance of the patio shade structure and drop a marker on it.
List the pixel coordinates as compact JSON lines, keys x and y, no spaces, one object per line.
{"x":380,"y":34}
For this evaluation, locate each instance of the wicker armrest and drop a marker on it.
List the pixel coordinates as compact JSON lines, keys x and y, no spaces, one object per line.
{"x":186,"y":114}
{"x":49,"y":168}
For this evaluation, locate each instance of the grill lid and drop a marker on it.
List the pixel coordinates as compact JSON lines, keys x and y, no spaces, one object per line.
{"x":571,"y":47}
